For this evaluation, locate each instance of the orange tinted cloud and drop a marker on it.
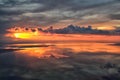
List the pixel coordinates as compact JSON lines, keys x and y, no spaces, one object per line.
{"x":36,"y":36}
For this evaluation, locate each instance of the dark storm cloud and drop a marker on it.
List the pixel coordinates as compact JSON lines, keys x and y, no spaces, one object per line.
{"x":48,"y":12}
{"x":72,"y":4}
{"x":115,"y":16}
{"x":4,"y":13}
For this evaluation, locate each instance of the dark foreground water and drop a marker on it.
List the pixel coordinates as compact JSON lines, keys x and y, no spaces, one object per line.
{"x":60,"y":61}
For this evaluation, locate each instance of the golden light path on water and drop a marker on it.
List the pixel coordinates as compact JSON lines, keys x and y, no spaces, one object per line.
{"x":59,"y":50}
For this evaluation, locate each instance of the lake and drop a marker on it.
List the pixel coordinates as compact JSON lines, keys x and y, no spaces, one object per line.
{"x":60,"y":60}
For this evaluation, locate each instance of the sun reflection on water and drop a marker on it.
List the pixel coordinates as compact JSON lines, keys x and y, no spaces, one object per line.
{"x":61,"y":50}
{"x":42,"y":52}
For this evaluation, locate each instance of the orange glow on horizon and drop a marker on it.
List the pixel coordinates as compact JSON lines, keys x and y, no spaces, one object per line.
{"x":105,"y":28}
{"x":22,"y":34}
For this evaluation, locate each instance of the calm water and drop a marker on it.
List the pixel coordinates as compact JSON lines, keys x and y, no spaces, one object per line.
{"x":76,"y":47}
{"x":40,"y":60}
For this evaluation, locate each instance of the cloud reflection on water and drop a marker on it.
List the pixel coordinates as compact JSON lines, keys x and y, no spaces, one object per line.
{"x":77,"y":59}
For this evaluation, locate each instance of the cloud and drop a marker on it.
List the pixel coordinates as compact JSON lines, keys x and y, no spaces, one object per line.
{"x":42,"y":12}
{"x":115,"y":16}
{"x":22,"y":7}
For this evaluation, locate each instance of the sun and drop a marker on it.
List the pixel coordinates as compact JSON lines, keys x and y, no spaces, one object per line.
{"x":23,"y":35}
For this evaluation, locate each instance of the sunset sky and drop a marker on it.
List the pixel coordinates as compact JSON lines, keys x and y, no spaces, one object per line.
{"x":101,"y":14}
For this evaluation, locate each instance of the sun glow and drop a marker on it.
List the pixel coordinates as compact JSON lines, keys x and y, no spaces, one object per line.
{"x":35,"y":35}
{"x":22,"y":35}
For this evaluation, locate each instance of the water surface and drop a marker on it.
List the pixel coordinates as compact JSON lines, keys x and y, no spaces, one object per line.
{"x":81,"y":60}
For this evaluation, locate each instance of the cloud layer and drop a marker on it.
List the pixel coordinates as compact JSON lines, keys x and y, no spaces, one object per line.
{"x":59,"y":12}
